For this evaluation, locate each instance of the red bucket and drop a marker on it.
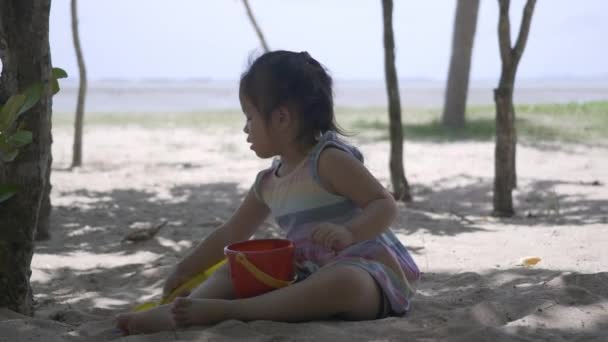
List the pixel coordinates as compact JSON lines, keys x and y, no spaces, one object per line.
{"x":259,"y":266}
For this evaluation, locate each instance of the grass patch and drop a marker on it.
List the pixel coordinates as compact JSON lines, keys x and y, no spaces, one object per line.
{"x":572,"y":122}
{"x":585,"y":122}
{"x":477,"y":129}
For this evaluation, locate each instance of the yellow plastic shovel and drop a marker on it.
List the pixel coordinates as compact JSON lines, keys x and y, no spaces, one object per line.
{"x":187,"y":286}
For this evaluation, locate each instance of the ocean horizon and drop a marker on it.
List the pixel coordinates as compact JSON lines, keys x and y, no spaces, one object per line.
{"x":167,"y":95}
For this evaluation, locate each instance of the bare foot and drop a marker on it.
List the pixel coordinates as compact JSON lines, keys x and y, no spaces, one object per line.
{"x":188,"y":311}
{"x":146,"y":322}
{"x":122,"y":323}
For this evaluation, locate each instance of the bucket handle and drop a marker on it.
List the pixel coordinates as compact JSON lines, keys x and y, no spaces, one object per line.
{"x":261,"y":275}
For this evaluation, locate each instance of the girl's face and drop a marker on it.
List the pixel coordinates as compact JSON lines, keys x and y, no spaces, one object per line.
{"x":259,"y":132}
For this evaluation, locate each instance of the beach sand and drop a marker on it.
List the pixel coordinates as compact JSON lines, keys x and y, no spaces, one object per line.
{"x":473,"y":286}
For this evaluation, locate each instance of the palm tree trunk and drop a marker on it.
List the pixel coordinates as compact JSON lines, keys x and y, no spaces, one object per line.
{"x":256,"y":27}
{"x":457,"y":88}
{"x":401,"y":187}
{"x":25,"y":54}
{"x":505,"y":175}
{"x":82,"y":90}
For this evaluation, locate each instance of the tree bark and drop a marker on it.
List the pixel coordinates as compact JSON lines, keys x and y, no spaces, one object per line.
{"x":504,"y":152}
{"x":25,"y":54}
{"x":43,"y":231}
{"x":82,"y":90}
{"x":505,"y":175}
{"x":256,"y":27}
{"x":401,"y":187}
{"x":465,"y":24}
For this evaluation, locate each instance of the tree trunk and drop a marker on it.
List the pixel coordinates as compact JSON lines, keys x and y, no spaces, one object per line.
{"x":505,"y":175}
{"x":256,"y":27}
{"x":400,"y":186}
{"x":504,"y":152}
{"x":25,"y":54}
{"x":457,"y":88}
{"x":82,"y":90}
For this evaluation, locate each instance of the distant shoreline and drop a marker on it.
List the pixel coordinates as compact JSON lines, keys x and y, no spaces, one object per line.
{"x":203,"y":95}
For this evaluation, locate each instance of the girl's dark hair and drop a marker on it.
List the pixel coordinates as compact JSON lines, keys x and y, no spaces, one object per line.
{"x":297,"y":81}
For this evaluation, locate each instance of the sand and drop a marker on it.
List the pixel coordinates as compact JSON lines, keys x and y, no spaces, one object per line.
{"x":473,"y":286}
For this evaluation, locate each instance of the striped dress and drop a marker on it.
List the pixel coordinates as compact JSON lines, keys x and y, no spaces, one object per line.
{"x":299,"y":202}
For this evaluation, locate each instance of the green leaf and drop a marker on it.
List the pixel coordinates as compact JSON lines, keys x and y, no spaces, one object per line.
{"x":9,"y":156}
{"x":20,"y":138}
{"x":59,"y":73}
{"x":7,"y":191}
{"x":55,"y":86}
{"x":8,"y":115}
{"x":32,"y":95}
{"x":8,"y":152}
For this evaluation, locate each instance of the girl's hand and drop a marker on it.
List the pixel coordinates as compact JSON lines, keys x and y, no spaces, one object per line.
{"x":332,"y":236}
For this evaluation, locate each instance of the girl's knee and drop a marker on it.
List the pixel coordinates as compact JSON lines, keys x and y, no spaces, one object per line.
{"x":352,"y":279}
{"x":218,"y":285}
{"x":360,"y":291}
{"x":222,"y":272}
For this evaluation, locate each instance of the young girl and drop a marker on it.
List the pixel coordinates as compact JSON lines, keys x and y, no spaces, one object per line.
{"x":349,"y":264}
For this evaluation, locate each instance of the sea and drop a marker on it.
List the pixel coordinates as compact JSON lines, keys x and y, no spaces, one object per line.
{"x":167,"y":96}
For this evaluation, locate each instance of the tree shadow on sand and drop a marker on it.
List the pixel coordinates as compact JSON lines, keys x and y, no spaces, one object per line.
{"x":93,"y":227}
{"x":543,"y":204}
{"x":442,"y":209}
{"x":500,"y":305}
{"x":98,"y":221}
{"x":517,"y":303}
{"x":94,"y":223}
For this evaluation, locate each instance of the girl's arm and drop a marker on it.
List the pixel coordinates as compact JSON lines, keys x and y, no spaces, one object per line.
{"x":344,"y":175}
{"x":241,"y":226}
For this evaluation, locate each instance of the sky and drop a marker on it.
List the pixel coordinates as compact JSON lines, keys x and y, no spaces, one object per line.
{"x":213,"y":39}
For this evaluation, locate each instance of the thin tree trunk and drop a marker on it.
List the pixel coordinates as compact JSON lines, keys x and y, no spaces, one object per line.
{"x":505,"y":176}
{"x":256,"y":27}
{"x":465,"y":24}
{"x":401,"y":187}
{"x":25,"y":54}
{"x":503,"y":152}
{"x":82,"y":90}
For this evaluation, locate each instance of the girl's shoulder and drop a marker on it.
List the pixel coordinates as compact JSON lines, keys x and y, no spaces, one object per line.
{"x":331,"y":140}
{"x":262,"y":177}
{"x":307,"y":176}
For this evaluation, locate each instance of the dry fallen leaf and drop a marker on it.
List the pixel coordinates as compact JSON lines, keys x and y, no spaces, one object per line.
{"x":144,"y":233}
{"x":529,"y":261}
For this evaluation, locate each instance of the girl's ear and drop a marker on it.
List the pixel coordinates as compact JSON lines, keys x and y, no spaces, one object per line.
{"x":284,"y":117}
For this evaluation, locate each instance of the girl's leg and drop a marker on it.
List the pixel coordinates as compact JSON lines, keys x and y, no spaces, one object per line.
{"x":218,"y":286}
{"x":338,"y":290}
